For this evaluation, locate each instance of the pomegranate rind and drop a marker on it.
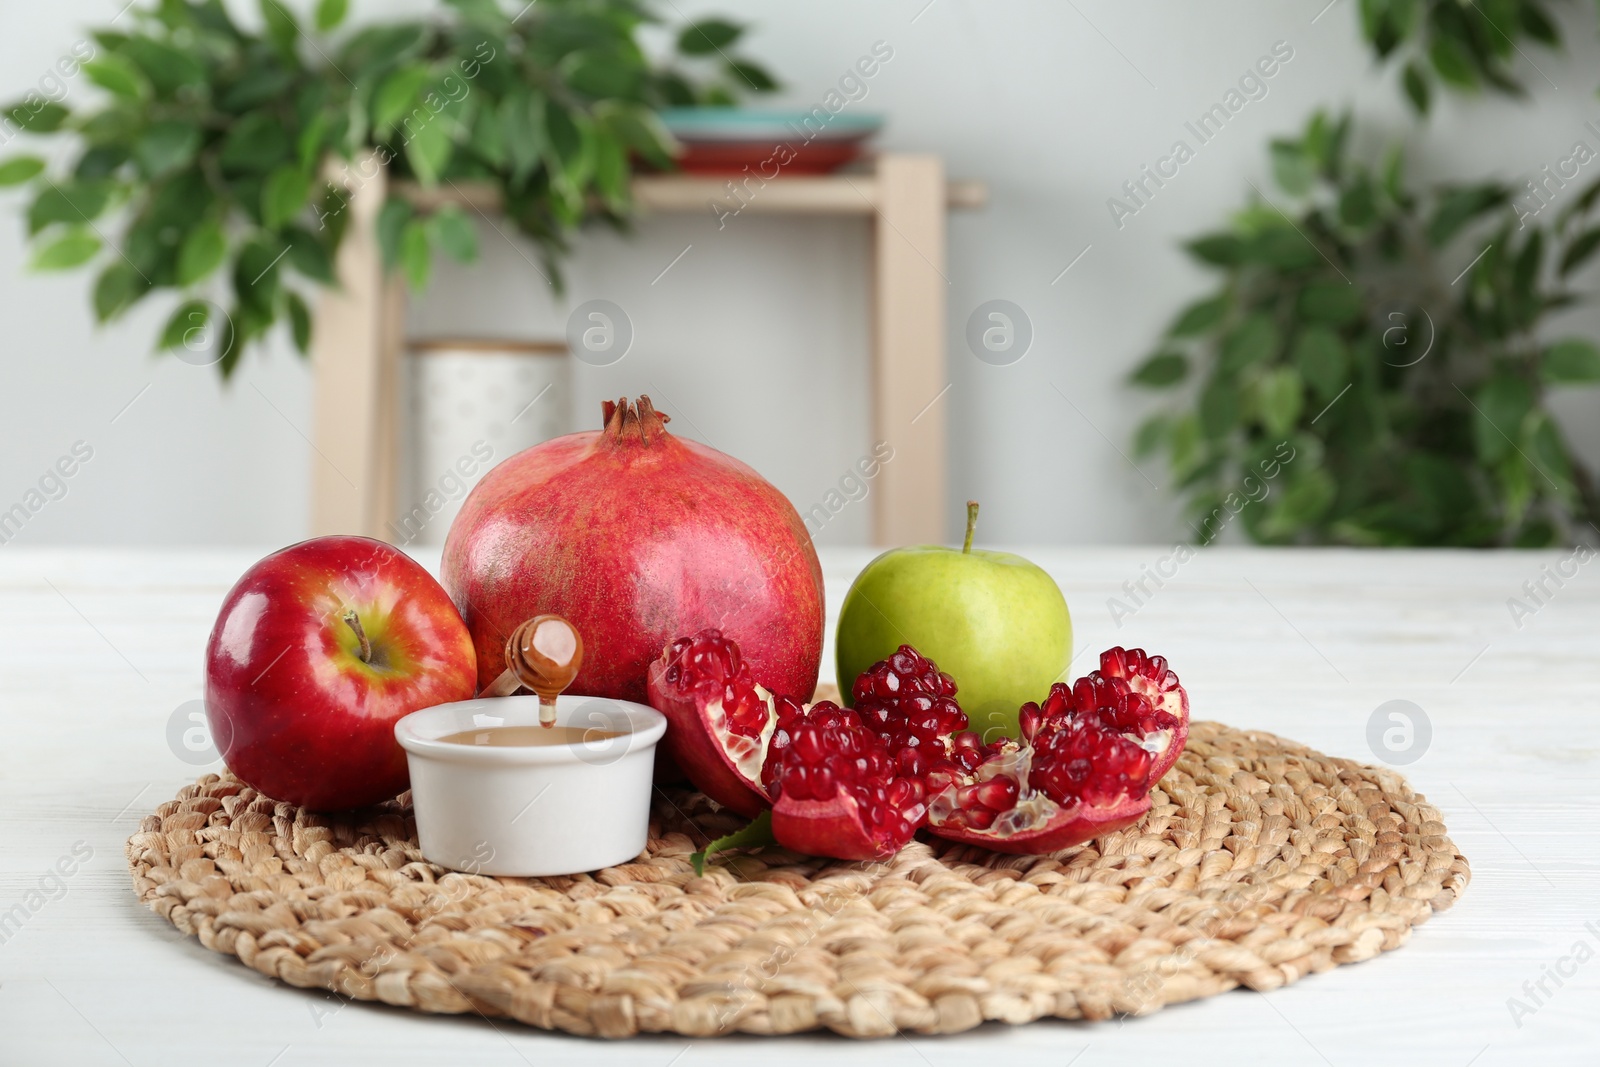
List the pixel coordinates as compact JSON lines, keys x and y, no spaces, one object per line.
{"x":832,"y":828}
{"x":696,"y":740}
{"x":1068,"y":828}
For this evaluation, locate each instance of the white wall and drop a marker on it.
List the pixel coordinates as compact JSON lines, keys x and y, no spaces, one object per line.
{"x":755,"y":340}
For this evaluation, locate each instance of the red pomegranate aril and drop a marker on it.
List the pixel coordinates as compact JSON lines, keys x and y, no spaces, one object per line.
{"x":997,"y":794}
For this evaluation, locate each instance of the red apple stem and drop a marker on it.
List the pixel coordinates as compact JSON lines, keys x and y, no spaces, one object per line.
{"x":354,"y":622}
{"x":972,"y":525}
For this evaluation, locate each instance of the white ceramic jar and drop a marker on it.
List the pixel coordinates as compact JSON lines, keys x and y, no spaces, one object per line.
{"x":474,"y":402}
{"x":532,"y":810}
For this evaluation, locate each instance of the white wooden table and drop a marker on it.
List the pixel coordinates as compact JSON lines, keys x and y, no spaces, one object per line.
{"x":97,"y":649}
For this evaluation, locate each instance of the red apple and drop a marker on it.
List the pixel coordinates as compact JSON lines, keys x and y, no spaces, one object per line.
{"x":317,"y":651}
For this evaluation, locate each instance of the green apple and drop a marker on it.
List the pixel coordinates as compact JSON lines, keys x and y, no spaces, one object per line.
{"x":993,"y":621}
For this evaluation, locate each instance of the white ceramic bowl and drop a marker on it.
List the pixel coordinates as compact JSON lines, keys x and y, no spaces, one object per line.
{"x":538,"y":809}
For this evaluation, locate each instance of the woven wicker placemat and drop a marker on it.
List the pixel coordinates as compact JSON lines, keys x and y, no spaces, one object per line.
{"x":1260,"y":862}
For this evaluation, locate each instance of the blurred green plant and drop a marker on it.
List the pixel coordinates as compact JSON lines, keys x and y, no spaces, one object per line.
{"x":1392,"y":338}
{"x":1462,"y":46}
{"x":211,"y":144}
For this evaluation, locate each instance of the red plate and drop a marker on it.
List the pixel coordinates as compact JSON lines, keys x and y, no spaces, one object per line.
{"x":766,"y":159}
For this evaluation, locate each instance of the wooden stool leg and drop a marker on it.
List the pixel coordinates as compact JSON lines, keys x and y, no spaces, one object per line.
{"x":910,"y":377}
{"x":356,"y":342}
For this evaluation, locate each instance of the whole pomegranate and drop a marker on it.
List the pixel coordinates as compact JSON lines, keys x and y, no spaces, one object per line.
{"x":856,"y":783}
{"x":636,"y":536}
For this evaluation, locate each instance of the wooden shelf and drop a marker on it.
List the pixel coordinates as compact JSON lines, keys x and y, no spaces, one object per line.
{"x":359,"y":331}
{"x":854,"y":193}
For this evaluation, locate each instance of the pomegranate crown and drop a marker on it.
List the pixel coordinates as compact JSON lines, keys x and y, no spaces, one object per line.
{"x":626,"y":421}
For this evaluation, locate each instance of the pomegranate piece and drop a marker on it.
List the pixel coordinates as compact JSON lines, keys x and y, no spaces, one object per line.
{"x":719,"y":720}
{"x":838,"y":791}
{"x":857,"y":783}
{"x":1084,"y":765}
{"x":721,"y":724}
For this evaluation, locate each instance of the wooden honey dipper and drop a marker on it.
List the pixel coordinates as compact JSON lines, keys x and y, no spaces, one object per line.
{"x":544,"y":654}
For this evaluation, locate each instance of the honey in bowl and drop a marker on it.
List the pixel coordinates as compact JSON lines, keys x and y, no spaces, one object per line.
{"x":523,"y":736}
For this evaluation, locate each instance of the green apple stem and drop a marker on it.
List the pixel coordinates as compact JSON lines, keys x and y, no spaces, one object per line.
{"x":354,"y":622}
{"x":972,"y":525}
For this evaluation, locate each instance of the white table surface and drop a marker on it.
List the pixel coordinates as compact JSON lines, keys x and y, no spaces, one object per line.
{"x":97,"y":649}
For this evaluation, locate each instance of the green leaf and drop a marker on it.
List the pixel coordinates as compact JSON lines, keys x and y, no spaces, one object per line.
{"x":1358,"y":206}
{"x":1499,"y":408}
{"x":1150,"y":434}
{"x":611,"y":172}
{"x":453,"y":232}
{"x":758,"y":834}
{"x":115,"y":74}
{"x":1577,"y":253}
{"x":1282,"y":247}
{"x":47,"y":118}
{"x":392,"y":220}
{"x":118,"y":287}
{"x":708,"y":36}
{"x":1416,"y":86}
{"x":1200,"y":316}
{"x":1161,"y":370}
{"x":430,"y":149}
{"x":1443,"y":490}
{"x":1457,"y":207}
{"x":1280,"y":396}
{"x":1219,"y":407}
{"x":1325,"y":141}
{"x":1292,"y":168}
{"x":256,"y":143}
{"x":1550,"y":455}
{"x":168,"y":68}
{"x":310,"y":143}
{"x":1303,"y":501}
{"x":1537,"y":24}
{"x":1322,"y":361}
{"x":1394,"y":170}
{"x":308,"y":255}
{"x":330,"y":13}
{"x":416,"y":254}
{"x":166,"y":146}
{"x":751,"y":76}
{"x":71,"y":202}
{"x":202,"y":252}
{"x":1329,"y":301}
{"x":1187,"y":447}
{"x":1253,"y":341}
{"x":1453,"y":62}
{"x":566,"y":144}
{"x":1572,"y":360}
{"x":72,"y":249}
{"x":255,"y":278}
{"x":282,"y":29}
{"x":186,"y":326}
{"x":19,"y":169}
{"x":255,"y":87}
{"x":488,"y":139}
{"x":283,"y":196}
{"x":604,"y":73}
{"x":397,"y":96}
{"x":1221,"y":249}
{"x":299,"y":322}
{"x":521,"y":117}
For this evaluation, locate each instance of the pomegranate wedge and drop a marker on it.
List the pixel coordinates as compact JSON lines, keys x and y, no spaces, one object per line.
{"x":857,"y":783}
